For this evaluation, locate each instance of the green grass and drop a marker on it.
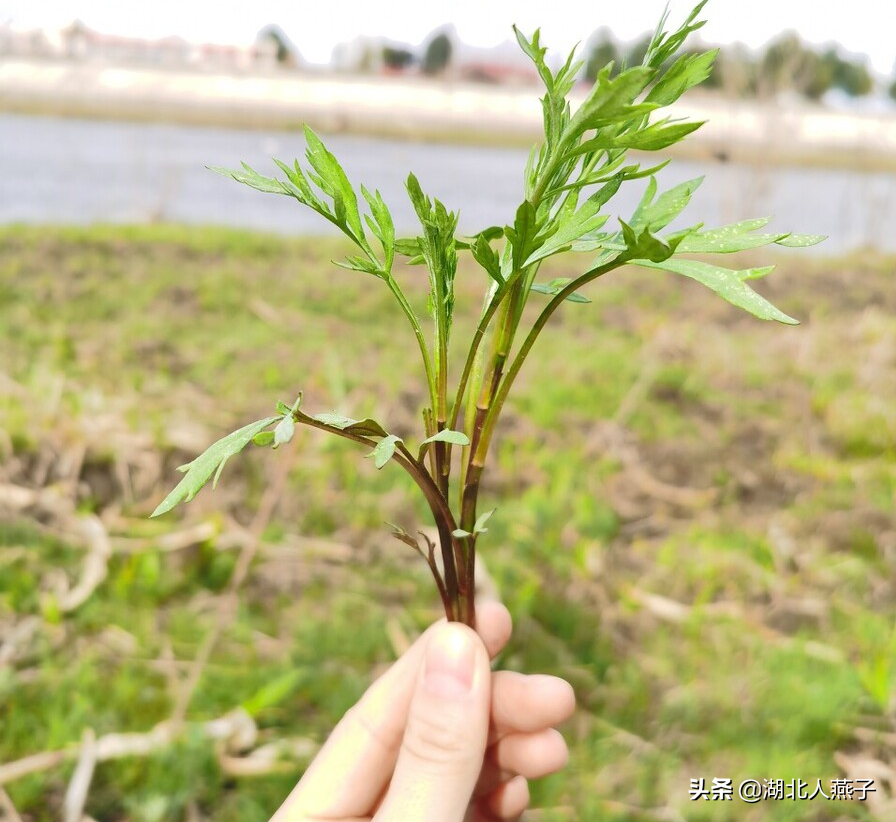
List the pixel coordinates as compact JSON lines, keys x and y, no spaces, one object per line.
{"x":695,"y":520}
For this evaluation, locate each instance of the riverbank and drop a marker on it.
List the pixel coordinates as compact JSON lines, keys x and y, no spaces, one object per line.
{"x":419,"y":109}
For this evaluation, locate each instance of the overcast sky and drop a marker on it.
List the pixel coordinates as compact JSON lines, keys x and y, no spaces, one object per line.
{"x":862,"y":26}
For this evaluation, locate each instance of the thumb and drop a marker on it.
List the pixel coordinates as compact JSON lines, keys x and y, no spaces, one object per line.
{"x":445,"y":738}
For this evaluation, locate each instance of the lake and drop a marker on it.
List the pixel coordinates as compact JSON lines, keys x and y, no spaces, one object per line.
{"x":58,"y":170}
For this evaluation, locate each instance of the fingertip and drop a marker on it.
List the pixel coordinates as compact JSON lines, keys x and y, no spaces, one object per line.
{"x":495,"y":625}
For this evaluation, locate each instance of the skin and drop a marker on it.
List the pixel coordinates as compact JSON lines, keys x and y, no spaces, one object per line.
{"x":440,"y":737}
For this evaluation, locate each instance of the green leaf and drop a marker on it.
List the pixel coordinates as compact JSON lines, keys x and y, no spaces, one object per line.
{"x":479,"y":527}
{"x":555,"y":286}
{"x":384,"y":450}
{"x":212,"y":461}
{"x":487,"y":257}
{"x":263,"y":439}
{"x":403,"y":536}
{"x":447,"y":435}
{"x":653,"y":138}
{"x":274,"y":691}
{"x":727,"y":283}
{"x":460,"y":533}
{"x":655,"y":214}
{"x":801,"y":240}
{"x":248,"y":176}
{"x":284,"y":431}
{"x":365,"y":428}
{"x":645,"y":245}
{"x":687,"y":71}
{"x":611,"y":100}
{"x":334,"y":182}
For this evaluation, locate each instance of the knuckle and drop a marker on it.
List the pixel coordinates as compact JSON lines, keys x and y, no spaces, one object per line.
{"x":437,"y":738}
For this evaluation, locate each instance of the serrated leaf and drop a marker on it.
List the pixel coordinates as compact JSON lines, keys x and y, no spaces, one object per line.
{"x":212,"y":461}
{"x":479,"y":527}
{"x":447,"y":435}
{"x":284,"y":431}
{"x":384,"y":450}
{"x":656,"y":213}
{"x":727,"y":283}
{"x":333,"y":181}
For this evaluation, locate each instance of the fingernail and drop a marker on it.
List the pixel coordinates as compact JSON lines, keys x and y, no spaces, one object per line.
{"x":450,"y":662}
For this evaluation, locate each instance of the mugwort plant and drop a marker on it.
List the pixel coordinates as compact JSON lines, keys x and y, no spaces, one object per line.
{"x":569,"y":184}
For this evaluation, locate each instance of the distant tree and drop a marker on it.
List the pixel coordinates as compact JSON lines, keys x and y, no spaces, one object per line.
{"x":635,"y":53}
{"x":602,"y":49}
{"x":851,"y":76}
{"x":788,"y":65}
{"x":397,"y":58}
{"x":437,"y":55}
{"x":892,"y":89}
{"x":287,"y":54}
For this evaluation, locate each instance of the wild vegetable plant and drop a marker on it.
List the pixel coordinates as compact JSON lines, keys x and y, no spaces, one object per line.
{"x":569,"y":184}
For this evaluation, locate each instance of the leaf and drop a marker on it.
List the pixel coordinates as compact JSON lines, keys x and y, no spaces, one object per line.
{"x":460,"y":533}
{"x":655,"y":214}
{"x":653,"y":138}
{"x":801,"y":240}
{"x":554,"y":287}
{"x":263,"y":439}
{"x":364,"y":428}
{"x":284,"y":431}
{"x":403,"y":536}
{"x":384,"y":450}
{"x":212,"y":461}
{"x":447,"y":435}
{"x":333,"y":181}
{"x":727,"y":283}
{"x":479,"y":527}
{"x":611,"y":100}
{"x":250,"y":177}
{"x":645,"y":245}
{"x":687,"y":71}
{"x":274,"y":691}
{"x":487,"y":257}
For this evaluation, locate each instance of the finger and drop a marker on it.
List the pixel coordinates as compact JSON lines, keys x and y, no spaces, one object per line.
{"x":507,"y":803}
{"x":532,"y":755}
{"x":354,"y":766}
{"x":523,"y":704}
{"x":444,"y":742}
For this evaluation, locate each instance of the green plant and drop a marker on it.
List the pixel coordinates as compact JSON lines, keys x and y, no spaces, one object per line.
{"x":569,"y":181}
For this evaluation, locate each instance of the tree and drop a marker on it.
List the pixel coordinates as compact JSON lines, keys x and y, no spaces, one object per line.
{"x":437,"y":55}
{"x":287,"y":54}
{"x":397,"y":58}
{"x":602,"y":50}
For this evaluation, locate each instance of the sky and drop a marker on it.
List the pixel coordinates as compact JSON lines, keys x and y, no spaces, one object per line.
{"x":860,"y":26}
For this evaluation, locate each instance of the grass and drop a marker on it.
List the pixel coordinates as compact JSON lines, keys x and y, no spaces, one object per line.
{"x":709,"y":557}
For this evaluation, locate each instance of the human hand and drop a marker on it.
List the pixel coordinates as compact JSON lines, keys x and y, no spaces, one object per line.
{"x":439,"y":737}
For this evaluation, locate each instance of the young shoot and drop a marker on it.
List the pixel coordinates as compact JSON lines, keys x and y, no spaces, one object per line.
{"x":569,"y":185}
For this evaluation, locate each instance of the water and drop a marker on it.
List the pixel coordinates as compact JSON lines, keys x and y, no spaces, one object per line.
{"x":85,"y":171}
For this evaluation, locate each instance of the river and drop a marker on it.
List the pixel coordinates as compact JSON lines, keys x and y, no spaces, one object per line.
{"x":74,"y":171}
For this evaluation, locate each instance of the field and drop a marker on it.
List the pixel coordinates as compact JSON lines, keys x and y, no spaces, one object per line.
{"x":695,"y":526}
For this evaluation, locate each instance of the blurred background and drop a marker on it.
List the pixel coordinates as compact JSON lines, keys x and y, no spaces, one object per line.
{"x":695,"y":518}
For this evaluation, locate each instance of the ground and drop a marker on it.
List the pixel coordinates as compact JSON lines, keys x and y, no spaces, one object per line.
{"x":695,"y":526}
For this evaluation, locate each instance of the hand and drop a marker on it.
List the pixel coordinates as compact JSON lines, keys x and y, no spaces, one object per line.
{"x":439,"y":737}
